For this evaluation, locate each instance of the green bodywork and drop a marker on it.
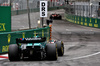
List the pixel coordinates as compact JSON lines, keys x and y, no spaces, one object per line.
{"x":42,"y":45}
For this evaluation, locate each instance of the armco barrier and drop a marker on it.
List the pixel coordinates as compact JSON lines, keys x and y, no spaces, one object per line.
{"x":8,"y":38}
{"x":85,"y":21}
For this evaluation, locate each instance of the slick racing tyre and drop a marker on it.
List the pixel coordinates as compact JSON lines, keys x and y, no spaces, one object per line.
{"x":51,"y":52}
{"x":60,"y":48}
{"x":60,"y":17}
{"x":13,"y":53}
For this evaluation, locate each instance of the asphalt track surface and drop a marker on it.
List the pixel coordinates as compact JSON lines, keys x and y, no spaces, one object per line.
{"x":82,"y":46}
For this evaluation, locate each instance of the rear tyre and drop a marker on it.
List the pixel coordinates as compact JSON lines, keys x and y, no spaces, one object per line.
{"x":51,"y":51}
{"x":13,"y":53}
{"x":60,"y":48}
{"x":60,"y":17}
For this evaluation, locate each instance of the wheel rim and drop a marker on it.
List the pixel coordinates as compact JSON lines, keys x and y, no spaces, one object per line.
{"x":62,"y":49}
{"x":56,"y":53}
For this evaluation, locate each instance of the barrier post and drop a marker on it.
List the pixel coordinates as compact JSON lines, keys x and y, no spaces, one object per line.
{"x":50,"y":32}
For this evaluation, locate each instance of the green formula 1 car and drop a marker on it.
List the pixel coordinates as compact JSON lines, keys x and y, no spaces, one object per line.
{"x":35,"y":48}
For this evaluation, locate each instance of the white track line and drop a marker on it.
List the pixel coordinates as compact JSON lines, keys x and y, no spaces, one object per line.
{"x":67,"y":29}
{"x":85,"y":56}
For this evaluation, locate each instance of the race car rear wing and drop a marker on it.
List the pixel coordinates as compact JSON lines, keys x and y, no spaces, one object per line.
{"x":30,"y":40}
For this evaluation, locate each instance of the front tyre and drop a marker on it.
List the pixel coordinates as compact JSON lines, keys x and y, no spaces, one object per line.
{"x":13,"y":52}
{"x":51,"y":51}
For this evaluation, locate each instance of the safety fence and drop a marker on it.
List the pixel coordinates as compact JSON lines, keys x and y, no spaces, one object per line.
{"x":20,"y":6}
{"x":84,"y":9}
{"x":8,"y":38}
{"x":85,"y":21}
{"x":83,"y":13}
{"x":18,"y":12}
